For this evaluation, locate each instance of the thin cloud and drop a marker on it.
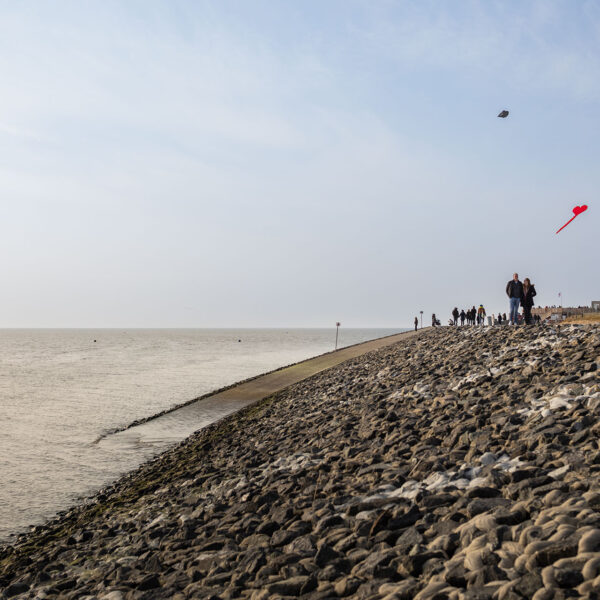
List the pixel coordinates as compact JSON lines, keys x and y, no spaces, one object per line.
{"x":543,"y":45}
{"x":17,"y":132}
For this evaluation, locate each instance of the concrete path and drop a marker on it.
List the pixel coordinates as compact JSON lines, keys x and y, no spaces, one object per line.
{"x":176,"y":425}
{"x":269,"y":384}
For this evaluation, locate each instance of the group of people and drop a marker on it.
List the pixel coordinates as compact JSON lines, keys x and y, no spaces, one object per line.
{"x":472,"y":316}
{"x":519,"y":294}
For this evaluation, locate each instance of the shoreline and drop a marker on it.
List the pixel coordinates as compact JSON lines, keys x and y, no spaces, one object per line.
{"x":235,"y":385}
{"x":371,"y":479}
{"x":48,"y":528}
{"x":333,"y":357}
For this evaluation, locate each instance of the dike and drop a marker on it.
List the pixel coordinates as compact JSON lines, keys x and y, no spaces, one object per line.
{"x":458,"y":463}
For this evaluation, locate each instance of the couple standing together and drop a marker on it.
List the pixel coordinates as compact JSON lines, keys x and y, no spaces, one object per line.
{"x":520,"y":294}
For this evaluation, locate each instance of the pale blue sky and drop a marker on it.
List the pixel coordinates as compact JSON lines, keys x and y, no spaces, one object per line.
{"x":281,"y":163}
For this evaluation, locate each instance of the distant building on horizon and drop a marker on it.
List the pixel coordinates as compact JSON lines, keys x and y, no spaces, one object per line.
{"x":557,"y":313}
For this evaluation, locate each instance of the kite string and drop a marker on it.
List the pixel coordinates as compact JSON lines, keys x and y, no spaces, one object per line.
{"x":566,"y":224}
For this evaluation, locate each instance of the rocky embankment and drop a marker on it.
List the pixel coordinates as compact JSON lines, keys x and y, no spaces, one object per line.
{"x":455,"y":464}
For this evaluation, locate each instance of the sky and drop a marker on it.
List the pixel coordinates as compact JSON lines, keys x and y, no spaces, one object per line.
{"x":282,"y":163}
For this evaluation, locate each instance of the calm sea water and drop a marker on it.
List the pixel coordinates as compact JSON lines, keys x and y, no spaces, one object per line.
{"x":60,"y":390}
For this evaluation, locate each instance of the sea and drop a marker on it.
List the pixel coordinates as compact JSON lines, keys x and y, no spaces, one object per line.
{"x":64,"y":392}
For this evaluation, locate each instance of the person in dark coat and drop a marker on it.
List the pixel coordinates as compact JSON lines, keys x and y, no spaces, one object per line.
{"x":527,"y":299}
{"x":433,"y":320}
{"x":463,"y":316}
{"x":416,"y":323}
{"x":514,"y":291}
{"x":455,"y":316}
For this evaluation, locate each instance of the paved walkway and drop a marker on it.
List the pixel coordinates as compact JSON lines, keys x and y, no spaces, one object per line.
{"x":175,"y":425}
{"x":269,"y":384}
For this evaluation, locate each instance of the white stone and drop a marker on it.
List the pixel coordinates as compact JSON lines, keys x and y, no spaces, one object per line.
{"x":488,"y":458}
{"x":559,"y":402}
{"x":560,"y":472}
{"x":156,"y":522}
{"x":478,"y":482}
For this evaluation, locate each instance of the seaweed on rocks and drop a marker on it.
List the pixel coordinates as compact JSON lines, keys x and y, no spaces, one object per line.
{"x":457,"y":463}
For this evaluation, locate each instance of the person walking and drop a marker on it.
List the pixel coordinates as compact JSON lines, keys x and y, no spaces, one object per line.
{"x":527,"y":299}
{"x":514,"y":291}
{"x":499,"y":319}
{"x":463,"y":316}
{"x":416,"y":323}
{"x":455,"y":315}
{"x":481,"y":315}
{"x":433,"y":320}
{"x":473,"y":315}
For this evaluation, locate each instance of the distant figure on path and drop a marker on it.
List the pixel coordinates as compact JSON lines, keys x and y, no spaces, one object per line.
{"x":455,"y":315}
{"x":433,"y":320}
{"x":504,"y":317}
{"x":481,"y":315}
{"x":473,"y":315}
{"x":499,"y":319}
{"x":416,"y":323}
{"x":463,"y":316}
{"x":527,"y":299}
{"x":514,"y":291}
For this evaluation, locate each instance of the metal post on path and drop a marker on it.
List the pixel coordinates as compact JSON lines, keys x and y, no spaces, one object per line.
{"x":421,"y":318}
{"x":337,"y":329}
